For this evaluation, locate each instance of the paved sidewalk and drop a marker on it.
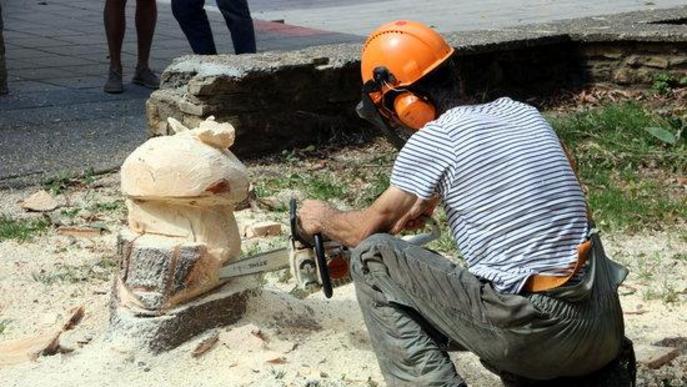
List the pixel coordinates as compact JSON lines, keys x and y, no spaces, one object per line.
{"x":361,"y":16}
{"x":56,"y":118}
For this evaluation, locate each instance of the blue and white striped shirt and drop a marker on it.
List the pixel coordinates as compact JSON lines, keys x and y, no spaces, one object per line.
{"x":513,"y":202}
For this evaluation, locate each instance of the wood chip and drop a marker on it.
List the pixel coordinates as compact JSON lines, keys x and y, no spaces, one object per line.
{"x":282,"y":346}
{"x":678,"y":342}
{"x":263,"y":229}
{"x":655,"y":357}
{"x":40,"y":201}
{"x":257,"y":332}
{"x":276,"y":360}
{"x":48,"y":343}
{"x":80,"y":231}
{"x":247,"y":338}
{"x":29,"y":348}
{"x":75,"y":316}
{"x":205,"y":345}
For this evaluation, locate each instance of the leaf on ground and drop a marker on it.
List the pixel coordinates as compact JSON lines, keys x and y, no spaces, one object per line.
{"x":662,"y":134}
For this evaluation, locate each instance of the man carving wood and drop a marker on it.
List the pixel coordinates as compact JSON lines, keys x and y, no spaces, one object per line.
{"x":539,"y":297}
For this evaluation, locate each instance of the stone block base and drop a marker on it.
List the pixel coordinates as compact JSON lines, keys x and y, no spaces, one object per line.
{"x":223,"y":306}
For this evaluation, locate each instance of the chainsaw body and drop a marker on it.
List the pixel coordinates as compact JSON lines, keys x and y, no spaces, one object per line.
{"x":304,"y":268}
{"x":314,"y":262}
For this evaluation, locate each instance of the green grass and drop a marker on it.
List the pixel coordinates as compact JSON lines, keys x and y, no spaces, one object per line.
{"x":71,"y":274}
{"x":665,"y":292}
{"x":3,"y":325}
{"x":665,"y":82}
{"x":21,"y":229}
{"x":680,"y":257}
{"x":321,"y":186}
{"x":70,"y":213}
{"x":63,"y":180}
{"x":374,"y":187}
{"x":625,"y":166}
{"x":624,"y":152}
{"x":58,"y":183}
{"x":115,"y":205}
{"x":615,"y":136}
{"x":258,"y":247}
{"x":63,"y":274}
{"x":631,"y":202}
{"x":445,"y":244}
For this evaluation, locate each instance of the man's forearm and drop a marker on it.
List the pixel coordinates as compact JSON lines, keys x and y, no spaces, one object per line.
{"x":391,"y":212}
{"x":350,"y":227}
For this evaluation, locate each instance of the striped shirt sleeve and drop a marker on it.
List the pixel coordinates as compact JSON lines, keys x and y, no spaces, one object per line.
{"x":424,"y":165}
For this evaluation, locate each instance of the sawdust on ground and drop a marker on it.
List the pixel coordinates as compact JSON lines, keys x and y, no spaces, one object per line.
{"x":311,"y":341}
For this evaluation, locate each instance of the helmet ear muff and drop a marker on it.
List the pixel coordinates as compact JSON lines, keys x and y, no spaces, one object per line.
{"x":413,"y":111}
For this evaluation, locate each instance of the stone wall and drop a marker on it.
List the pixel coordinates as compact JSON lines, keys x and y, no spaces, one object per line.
{"x":264,"y":96}
{"x":633,"y":63}
{"x":280,"y":100}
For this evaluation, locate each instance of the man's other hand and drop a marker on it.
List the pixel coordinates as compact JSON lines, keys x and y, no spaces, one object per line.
{"x":416,"y":217}
{"x":310,"y":216}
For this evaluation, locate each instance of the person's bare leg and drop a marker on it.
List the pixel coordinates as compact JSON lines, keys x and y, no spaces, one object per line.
{"x":115,"y":25}
{"x":146,"y":17}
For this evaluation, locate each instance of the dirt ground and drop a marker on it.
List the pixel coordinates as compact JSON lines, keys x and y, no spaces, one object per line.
{"x":311,"y":341}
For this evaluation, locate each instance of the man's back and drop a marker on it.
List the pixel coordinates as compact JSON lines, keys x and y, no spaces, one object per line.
{"x":512,"y":200}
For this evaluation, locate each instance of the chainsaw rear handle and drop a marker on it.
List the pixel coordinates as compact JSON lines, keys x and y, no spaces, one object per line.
{"x":424,"y":238}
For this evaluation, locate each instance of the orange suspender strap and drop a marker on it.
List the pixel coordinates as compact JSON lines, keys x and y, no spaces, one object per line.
{"x":540,"y":283}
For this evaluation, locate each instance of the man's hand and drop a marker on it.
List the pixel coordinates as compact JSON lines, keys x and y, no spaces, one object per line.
{"x":417,"y":216}
{"x":311,"y":214}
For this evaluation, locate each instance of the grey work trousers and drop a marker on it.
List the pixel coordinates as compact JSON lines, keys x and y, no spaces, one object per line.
{"x":418,"y":304}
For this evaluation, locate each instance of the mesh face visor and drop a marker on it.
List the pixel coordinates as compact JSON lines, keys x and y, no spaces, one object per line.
{"x":366,"y":109}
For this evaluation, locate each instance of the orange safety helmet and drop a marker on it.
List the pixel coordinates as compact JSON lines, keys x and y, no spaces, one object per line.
{"x":395,"y":56}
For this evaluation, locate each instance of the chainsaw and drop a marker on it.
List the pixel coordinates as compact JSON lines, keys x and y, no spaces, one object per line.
{"x":315,"y":264}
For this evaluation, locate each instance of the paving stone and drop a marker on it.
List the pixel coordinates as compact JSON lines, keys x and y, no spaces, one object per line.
{"x":32,"y":86}
{"x":62,"y":45}
{"x":82,"y":82}
{"x":3,"y":69}
{"x":74,"y":29}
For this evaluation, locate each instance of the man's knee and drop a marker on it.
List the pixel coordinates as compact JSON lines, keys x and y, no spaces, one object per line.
{"x":367,"y":249}
{"x":374,"y":241}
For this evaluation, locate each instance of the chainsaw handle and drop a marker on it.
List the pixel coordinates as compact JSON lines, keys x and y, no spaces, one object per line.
{"x":322,"y":266}
{"x":424,"y":238}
